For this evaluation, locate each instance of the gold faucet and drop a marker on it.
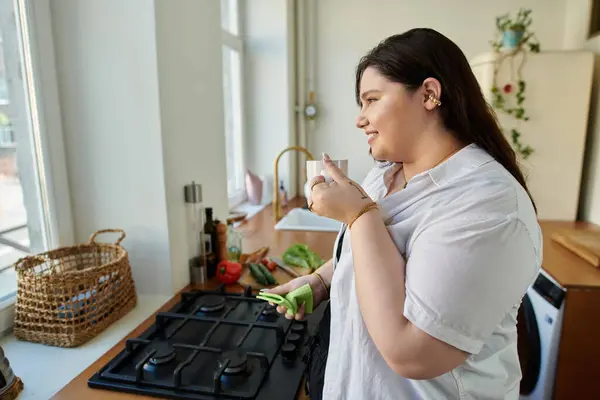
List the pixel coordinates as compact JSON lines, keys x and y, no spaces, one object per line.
{"x":276,"y":199}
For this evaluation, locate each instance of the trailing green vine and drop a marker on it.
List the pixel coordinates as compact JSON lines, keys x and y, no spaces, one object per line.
{"x":512,"y":45}
{"x":517,"y":111}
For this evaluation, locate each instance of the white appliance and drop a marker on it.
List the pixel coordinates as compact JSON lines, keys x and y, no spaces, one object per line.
{"x":557,"y":101}
{"x":542,"y":314}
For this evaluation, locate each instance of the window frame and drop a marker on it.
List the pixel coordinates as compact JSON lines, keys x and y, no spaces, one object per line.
{"x":40,"y":69}
{"x":236,"y":43}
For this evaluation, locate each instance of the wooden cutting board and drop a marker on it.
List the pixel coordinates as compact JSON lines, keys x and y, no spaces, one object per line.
{"x":246,"y":279}
{"x":586,"y":244}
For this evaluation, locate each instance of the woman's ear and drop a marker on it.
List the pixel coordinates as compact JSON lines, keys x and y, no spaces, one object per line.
{"x":432,"y":90}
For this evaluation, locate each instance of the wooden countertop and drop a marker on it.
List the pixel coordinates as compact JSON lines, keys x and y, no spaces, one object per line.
{"x":564,"y":266}
{"x":258,"y":232}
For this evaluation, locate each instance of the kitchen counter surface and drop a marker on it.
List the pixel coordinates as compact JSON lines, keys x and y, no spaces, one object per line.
{"x":564,"y":266}
{"x":46,"y":369}
{"x":258,"y":231}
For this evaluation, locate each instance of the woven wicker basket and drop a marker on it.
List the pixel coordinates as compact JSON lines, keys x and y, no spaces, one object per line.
{"x":67,"y":296}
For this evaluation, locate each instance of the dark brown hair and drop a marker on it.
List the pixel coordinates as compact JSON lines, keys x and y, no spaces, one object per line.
{"x":413,"y":56}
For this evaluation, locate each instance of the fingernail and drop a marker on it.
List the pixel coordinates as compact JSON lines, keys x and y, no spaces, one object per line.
{"x":326,"y":157}
{"x":263,"y":290}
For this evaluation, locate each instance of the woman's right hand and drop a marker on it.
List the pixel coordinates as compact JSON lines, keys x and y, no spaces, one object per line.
{"x":319,"y":293}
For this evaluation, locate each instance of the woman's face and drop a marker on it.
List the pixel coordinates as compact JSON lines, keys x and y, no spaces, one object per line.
{"x":391,"y":116}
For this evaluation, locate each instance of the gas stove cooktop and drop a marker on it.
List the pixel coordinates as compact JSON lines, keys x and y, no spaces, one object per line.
{"x":214,"y":345}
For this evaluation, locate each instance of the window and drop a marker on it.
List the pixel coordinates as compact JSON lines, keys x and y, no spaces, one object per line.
{"x":230,"y":16}
{"x":28,"y":207}
{"x":233,"y":61}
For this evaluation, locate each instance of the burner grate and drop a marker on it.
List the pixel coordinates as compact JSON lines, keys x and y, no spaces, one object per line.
{"x":210,"y":345}
{"x":264,"y":364}
{"x":163,"y":319}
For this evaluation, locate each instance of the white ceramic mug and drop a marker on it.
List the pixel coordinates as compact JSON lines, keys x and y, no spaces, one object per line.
{"x":315,"y":168}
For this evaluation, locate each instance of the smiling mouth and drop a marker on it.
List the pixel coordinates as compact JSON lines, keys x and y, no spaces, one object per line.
{"x":371,"y":136}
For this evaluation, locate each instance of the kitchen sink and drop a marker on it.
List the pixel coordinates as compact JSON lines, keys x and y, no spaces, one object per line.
{"x":300,"y":219}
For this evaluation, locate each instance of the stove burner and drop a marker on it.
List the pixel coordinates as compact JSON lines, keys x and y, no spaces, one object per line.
{"x":164,"y":353}
{"x":238,"y":362}
{"x":269,"y":310}
{"x":212,"y":303}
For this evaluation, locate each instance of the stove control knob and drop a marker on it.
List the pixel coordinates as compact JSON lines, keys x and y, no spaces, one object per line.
{"x":288,"y":351}
{"x":298,"y":329}
{"x":294,"y":339}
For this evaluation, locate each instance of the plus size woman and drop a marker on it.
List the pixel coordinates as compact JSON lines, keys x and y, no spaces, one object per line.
{"x":439,"y":243}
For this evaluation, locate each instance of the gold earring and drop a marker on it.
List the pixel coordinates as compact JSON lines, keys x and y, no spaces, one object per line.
{"x":435,"y":101}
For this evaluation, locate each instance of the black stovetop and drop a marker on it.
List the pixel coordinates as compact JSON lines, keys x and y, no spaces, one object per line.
{"x":214,"y":345}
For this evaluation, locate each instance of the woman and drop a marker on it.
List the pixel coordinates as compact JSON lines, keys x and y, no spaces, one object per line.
{"x":439,"y":244}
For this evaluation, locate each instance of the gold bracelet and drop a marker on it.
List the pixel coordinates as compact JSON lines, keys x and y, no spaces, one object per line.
{"x":364,"y":210}
{"x":322,"y":282}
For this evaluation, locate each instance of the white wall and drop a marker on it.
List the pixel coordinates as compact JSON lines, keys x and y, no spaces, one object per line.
{"x":141,"y":97}
{"x":108,"y":84}
{"x":269,"y":87}
{"x":557,"y":130}
{"x":191,"y":103}
{"x":577,"y":22}
{"x":347,"y":29}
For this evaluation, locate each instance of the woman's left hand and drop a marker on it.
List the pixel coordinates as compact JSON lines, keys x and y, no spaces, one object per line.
{"x":341,"y":199}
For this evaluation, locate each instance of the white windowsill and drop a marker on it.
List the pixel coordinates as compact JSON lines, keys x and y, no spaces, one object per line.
{"x":248,"y":209}
{"x":7,"y":312}
{"x":32,"y":361}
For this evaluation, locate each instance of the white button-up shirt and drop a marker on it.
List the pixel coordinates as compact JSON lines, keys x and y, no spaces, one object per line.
{"x":473,"y":246}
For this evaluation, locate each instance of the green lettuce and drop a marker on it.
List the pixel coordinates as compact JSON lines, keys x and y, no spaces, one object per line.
{"x":301,"y":256}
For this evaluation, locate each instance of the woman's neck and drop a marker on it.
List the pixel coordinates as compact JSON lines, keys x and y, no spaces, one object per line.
{"x":430,"y":152}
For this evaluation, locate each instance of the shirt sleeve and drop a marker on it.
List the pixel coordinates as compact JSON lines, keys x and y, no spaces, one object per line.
{"x":463,"y":277}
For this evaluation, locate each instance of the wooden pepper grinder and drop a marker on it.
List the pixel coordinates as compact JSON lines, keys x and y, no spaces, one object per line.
{"x":222,"y":238}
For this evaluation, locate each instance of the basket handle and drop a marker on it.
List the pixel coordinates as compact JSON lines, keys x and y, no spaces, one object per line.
{"x":119,"y":240}
{"x":18,"y":265}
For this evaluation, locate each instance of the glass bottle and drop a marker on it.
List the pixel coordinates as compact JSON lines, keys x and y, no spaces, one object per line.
{"x":234,"y":242}
{"x":211,"y":241}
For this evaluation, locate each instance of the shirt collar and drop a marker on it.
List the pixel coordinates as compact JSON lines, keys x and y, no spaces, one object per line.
{"x":465,"y":160}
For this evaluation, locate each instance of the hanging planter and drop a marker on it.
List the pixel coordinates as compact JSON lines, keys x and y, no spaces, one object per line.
{"x":514,"y":40}
{"x":513,"y":34}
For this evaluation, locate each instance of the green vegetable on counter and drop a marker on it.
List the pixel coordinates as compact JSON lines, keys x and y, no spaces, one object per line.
{"x":262,"y":274}
{"x":291,"y":259}
{"x":268,"y":276}
{"x":257,"y":274}
{"x":301,"y":256}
